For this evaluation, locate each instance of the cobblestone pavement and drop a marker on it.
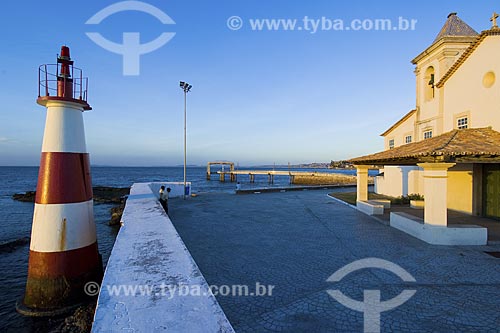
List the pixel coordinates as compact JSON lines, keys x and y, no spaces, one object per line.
{"x":296,"y":240}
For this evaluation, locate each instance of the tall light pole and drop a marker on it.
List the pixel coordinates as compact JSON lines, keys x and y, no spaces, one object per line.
{"x":186,"y":87}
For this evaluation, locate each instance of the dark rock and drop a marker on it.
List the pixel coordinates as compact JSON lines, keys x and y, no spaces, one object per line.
{"x":80,"y":321}
{"x":110,"y":195}
{"x":13,"y":245}
{"x":116,"y":214}
{"x":102,"y":194}
{"x":25,"y":197}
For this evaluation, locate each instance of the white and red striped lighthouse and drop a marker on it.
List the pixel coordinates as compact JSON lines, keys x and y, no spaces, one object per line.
{"x":63,"y":250}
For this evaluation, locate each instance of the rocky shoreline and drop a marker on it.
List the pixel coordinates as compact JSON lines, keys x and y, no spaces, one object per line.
{"x":11,"y":246}
{"x":102,"y":195}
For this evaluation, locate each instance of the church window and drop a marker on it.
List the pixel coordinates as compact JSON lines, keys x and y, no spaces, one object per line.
{"x":428,"y":134}
{"x":462,"y":123}
{"x":391,"y":143}
{"x":408,"y":139}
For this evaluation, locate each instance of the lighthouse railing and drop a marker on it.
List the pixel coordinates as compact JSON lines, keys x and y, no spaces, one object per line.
{"x":48,"y":76}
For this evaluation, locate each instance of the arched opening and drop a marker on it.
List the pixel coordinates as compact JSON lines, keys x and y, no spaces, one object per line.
{"x":429,"y":83}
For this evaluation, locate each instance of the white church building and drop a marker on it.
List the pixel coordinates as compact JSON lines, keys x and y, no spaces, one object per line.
{"x":448,"y":147}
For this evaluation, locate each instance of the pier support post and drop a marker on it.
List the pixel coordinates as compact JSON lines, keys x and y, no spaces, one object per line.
{"x":222,"y":178}
{"x":252,"y":178}
{"x":208,"y":170}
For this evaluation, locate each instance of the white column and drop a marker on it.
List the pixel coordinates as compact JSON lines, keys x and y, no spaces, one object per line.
{"x":362,"y":182}
{"x":435,"y":192}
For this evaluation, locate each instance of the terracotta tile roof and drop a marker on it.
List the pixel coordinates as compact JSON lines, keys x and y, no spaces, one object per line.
{"x":467,"y":53}
{"x":454,"y":26}
{"x":471,"y":143}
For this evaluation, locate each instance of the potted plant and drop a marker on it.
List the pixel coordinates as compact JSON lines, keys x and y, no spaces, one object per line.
{"x":416,"y":201}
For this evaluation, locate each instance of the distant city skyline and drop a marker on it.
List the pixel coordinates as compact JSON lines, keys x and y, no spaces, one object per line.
{"x":302,"y":95}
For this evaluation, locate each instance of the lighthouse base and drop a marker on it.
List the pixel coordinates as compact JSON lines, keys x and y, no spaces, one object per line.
{"x":30,"y":312}
{"x":59,"y":282}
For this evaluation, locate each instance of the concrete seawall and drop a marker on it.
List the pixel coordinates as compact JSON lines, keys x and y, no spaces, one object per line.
{"x":148,"y":258}
{"x":291,"y":188}
{"x":324,"y":179}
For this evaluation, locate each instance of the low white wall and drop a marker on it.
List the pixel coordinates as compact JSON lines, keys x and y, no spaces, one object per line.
{"x":176,"y":188}
{"x":370,"y":207}
{"x":439,"y":235}
{"x":149,"y":254}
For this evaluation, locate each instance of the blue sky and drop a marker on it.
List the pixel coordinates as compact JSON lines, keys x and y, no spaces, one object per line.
{"x":258,"y":97}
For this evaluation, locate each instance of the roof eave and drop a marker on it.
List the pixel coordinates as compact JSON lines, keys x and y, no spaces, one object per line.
{"x":399,"y":122}
{"x":475,"y":144}
{"x":441,"y":41}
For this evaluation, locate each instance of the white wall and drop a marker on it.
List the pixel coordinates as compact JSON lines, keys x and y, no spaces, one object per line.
{"x":399,"y":133}
{"x":176,"y":188}
{"x":399,"y":181}
{"x":465,"y":92}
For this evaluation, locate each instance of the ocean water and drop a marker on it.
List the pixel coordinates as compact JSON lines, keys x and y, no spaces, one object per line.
{"x":16,"y":218}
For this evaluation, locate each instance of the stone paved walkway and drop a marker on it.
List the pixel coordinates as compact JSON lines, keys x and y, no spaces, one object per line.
{"x":296,"y":240}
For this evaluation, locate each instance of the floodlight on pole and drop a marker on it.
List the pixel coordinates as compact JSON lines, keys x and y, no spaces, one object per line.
{"x":186,"y":87}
